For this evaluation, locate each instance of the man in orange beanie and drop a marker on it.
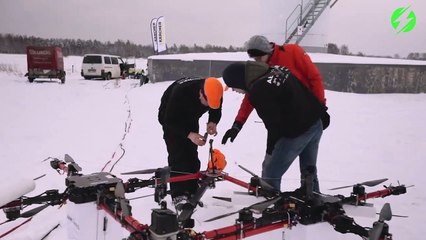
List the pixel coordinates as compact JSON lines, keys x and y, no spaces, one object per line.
{"x":182,"y":105}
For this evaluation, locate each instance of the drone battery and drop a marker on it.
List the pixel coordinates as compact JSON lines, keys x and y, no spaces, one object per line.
{"x":85,"y":188}
{"x":163,"y":224}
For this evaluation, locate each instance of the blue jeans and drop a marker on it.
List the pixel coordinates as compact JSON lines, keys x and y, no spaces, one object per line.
{"x":286,"y":150}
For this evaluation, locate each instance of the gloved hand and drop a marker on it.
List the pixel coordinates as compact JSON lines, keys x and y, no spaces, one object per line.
{"x":325,"y":118}
{"x":232,"y":132}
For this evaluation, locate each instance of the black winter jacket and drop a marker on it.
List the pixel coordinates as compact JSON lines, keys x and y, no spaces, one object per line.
{"x":285,"y":105}
{"x":181,"y":109}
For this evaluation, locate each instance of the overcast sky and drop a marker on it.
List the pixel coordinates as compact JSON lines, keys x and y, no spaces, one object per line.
{"x":363,"y":25}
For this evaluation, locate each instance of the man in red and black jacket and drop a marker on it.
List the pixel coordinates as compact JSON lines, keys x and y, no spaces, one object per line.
{"x":291,"y":115}
{"x":291,"y":56}
{"x":182,"y":105}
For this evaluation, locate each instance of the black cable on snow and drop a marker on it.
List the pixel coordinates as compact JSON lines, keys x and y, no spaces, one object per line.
{"x":16,"y":227}
{"x":123,"y":152}
{"x":50,"y":231}
{"x":127,"y":126}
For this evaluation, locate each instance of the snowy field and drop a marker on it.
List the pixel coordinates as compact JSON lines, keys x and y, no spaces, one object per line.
{"x":370,"y":137}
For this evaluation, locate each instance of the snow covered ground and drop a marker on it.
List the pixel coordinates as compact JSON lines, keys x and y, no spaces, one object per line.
{"x":370,"y":137}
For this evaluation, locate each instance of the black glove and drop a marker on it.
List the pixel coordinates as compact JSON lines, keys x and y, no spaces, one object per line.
{"x":325,"y":118}
{"x":232,"y":132}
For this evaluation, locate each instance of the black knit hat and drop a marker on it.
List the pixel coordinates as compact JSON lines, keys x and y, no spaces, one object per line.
{"x":234,"y":75}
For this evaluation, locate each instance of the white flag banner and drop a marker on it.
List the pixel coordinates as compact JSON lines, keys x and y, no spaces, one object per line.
{"x":154,"y":34}
{"x":161,"y":34}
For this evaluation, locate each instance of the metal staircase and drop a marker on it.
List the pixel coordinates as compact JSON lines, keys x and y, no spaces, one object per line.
{"x":303,"y":18}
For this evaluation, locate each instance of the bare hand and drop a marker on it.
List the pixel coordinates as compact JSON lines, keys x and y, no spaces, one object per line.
{"x":197,"y":139}
{"x":211,"y":128}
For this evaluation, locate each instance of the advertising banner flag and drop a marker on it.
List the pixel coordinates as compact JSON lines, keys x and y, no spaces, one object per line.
{"x":161,"y":34}
{"x":154,"y":38}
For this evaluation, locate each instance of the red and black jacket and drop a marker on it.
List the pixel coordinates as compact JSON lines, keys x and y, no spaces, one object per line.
{"x":293,"y":57}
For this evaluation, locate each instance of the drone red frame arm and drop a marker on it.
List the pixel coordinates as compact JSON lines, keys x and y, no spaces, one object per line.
{"x":131,"y":224}
{"x":199,"y":175}
{"x":237,"y":231}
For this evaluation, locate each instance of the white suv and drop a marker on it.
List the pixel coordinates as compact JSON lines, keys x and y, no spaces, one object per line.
{"x":102,"y":66}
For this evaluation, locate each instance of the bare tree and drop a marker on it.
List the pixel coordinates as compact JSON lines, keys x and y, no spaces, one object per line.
{"x":333,"y":48}
{"x":344,"y":50}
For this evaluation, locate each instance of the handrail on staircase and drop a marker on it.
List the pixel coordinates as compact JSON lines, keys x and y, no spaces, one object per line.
{"x":291,"y":14}
{"x":306,"y":11}
{"x":303,"y":10}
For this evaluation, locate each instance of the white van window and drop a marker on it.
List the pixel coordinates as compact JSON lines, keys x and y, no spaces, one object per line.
{"x":92,"y":59}
{"x":107,"y":60}
{"x":114,"y":60}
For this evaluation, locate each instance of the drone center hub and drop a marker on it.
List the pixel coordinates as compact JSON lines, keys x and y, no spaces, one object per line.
{"x":87,"y":188}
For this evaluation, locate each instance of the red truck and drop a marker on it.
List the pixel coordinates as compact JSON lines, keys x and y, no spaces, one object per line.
{"x":45,"y":62}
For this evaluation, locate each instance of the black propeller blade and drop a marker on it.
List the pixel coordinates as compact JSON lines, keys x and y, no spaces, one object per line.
{"x":226,"y":199}
{"x":147,"y":171}
{"x":240,"y":193}
{"x":164,"y":174}
{"x":70,"y":160}
{"x":257,"y":208}
{"x":222,"y":216}
{"x":33,"y":211}
{"x":371,"y":183}
{"x":41,"y":176}
{"x":29,"y":213}
{"x":266,"y":186}
{"x":385,"y":215}
{"x":261,"y":206}
{"x":245,"y":169}
{"x":397,"y":215}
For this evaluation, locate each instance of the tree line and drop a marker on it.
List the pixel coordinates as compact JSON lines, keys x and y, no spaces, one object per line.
{"x":344,"y":50}
{"x":16,"y":44}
